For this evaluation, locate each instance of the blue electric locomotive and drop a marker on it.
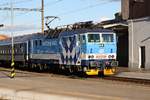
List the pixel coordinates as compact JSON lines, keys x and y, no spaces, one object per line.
{"x":87,"y":50}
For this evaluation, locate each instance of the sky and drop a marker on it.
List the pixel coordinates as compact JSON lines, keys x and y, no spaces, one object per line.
{"x":68,"y":11}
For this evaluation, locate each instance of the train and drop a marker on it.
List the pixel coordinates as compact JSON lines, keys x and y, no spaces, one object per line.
{"x":91,"y":51}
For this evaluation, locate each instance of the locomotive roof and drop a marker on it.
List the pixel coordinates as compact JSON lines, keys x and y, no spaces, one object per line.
{"x":23,"y":38}
{"x":79,"y":31}
{"x":66,"y":32}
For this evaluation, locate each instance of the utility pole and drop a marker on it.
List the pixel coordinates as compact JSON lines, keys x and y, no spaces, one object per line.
{"x":12,"y":75}
{"x":42,"y":16}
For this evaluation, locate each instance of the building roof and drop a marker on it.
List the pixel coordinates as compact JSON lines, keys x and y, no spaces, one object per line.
{"x":116,"y":25}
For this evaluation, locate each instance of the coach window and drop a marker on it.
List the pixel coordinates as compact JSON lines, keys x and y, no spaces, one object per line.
{"x":21,"y":45}
{"x":16,"y":51}
{"x":5,"y":51}
{"x":10,"y":51}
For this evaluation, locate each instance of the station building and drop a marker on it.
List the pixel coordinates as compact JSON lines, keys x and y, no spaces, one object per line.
{"x":137,"y":14}
{"x":139,"y":43}
{"x":120,"y":27}
{"x":132,"y":26}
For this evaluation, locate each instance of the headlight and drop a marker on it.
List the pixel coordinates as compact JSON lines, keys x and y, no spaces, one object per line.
{"x":91,"y":56}
{"x":111,"y":56}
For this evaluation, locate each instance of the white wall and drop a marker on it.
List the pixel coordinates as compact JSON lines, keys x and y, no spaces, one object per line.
{"x":139,"y":35}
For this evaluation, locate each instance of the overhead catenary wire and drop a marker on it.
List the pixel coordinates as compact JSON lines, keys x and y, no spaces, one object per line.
{"x":47,"y":4}
{"x":17,"y":2}
{"x":4,"y":17}
{"x":68,"y":12}
{"x":81,"y":9}
{"x":8,"y":4}
{"x":26,"y":10}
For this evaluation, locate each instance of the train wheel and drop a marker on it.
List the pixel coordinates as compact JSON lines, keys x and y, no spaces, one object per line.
{"x":45,"y":67}
{"x":101,"y":74}
{"x":40,"y":67}
{"x":70,"y":70}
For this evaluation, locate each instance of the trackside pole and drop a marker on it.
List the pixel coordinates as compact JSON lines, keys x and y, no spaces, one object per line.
{"x":12,"y":74}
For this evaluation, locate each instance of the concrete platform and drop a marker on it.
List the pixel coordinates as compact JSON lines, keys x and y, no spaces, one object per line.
{"x":127,"y":73}
{"x":137,"y":75}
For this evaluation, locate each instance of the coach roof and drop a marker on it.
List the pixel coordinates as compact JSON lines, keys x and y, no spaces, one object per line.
{"x":23,"y":38}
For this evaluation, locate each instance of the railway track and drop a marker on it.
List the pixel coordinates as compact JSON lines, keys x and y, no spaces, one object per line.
{"x":72,"y":76}
{"x":131,"y":80}
{"x":114,"y":78}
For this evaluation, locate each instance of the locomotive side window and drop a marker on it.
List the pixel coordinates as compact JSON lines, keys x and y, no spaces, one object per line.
{"x":107,"y":38}
{"x":93,"y":38}
{"x":82,"y":39}
{"x":37,"y":43}
{"x":40,"y":42}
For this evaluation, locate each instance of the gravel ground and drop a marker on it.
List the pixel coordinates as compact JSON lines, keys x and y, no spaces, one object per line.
{"x":37,"y":86}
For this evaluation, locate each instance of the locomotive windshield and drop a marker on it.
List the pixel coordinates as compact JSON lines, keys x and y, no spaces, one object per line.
{"x":107,"y":38}
{"x":93,"y":37}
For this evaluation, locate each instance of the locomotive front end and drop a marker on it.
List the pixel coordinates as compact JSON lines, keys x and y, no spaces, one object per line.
{"x":98,"y":53}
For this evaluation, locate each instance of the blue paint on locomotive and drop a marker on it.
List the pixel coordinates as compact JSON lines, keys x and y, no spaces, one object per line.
{"x":69,"y":52}
{"x":48,"y":46}
{"x":72,"y":49}
{"x":102,"y":50}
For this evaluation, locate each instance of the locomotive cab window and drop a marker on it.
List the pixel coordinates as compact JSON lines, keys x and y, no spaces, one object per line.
{"x":93,"y":38}
{"x":107,"y":38}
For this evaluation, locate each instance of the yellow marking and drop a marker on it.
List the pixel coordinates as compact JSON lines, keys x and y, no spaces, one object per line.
{"x":12,"y":64}
{"x":110,"y":71}
{"x":12,"y":75}
{"x":92,"y":72}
